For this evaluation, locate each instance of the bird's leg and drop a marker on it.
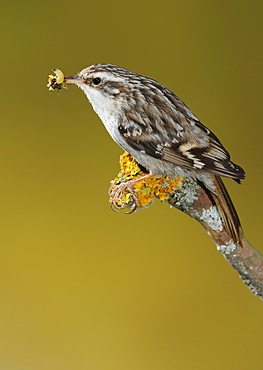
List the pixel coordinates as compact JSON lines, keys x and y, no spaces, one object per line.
{"x":116,"y":190}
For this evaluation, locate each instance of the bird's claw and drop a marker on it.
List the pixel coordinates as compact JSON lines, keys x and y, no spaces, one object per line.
{"x":116,"y":200}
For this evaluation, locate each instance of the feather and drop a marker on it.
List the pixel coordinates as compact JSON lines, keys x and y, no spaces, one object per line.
{"x":226,"y":209}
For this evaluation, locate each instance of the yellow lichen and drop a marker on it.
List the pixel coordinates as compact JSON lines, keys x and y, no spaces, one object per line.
{"x":160,"y":187}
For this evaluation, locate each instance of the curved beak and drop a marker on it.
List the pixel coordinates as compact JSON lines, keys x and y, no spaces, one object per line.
{"x":73,"y":79}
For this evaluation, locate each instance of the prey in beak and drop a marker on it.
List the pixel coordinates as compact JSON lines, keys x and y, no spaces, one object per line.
{"x":59,"y":82}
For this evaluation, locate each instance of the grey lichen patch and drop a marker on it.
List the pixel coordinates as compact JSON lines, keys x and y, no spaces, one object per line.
{"x":254,"y":289}
{"x":186,"y":195}
{"x":212,"y":217}
{"x":226,"y":249}
{"x":252,"y":285}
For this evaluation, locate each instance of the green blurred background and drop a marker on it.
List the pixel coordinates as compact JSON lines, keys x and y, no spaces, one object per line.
{"x":82,"y":287}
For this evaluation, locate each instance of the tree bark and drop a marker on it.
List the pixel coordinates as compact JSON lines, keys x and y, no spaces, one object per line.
{"x":244,"y":258}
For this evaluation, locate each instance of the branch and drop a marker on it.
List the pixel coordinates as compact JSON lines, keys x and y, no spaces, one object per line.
{"x":189,"y":197}
{"x":244,"y":258}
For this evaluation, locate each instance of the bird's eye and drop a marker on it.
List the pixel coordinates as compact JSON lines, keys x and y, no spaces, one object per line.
{"x":96,"y":80}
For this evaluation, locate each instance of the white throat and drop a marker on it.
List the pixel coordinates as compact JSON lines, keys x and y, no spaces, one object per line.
{"x":105,"y":107}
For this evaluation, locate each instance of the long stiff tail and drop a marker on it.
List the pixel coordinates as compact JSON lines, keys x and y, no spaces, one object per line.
{"x":227,"y":210}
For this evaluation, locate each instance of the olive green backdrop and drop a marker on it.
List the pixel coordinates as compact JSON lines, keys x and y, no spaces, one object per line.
{"x":82,"y":287}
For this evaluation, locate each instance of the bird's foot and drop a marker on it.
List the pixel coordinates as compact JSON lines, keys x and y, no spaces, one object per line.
{"x":127,"y":188}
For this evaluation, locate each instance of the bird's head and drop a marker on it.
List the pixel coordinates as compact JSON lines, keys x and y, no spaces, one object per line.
{"x":108,"y":79}
{"x":110,"y":87}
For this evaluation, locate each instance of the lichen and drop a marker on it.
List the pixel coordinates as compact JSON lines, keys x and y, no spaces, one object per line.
{"x":228,"y":248}
{"x":212,"y":217}
{"x":160,"y":187}
{"x":187,"y":195}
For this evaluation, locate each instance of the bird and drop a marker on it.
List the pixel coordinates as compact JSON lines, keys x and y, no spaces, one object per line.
{"x":157,"y":128}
